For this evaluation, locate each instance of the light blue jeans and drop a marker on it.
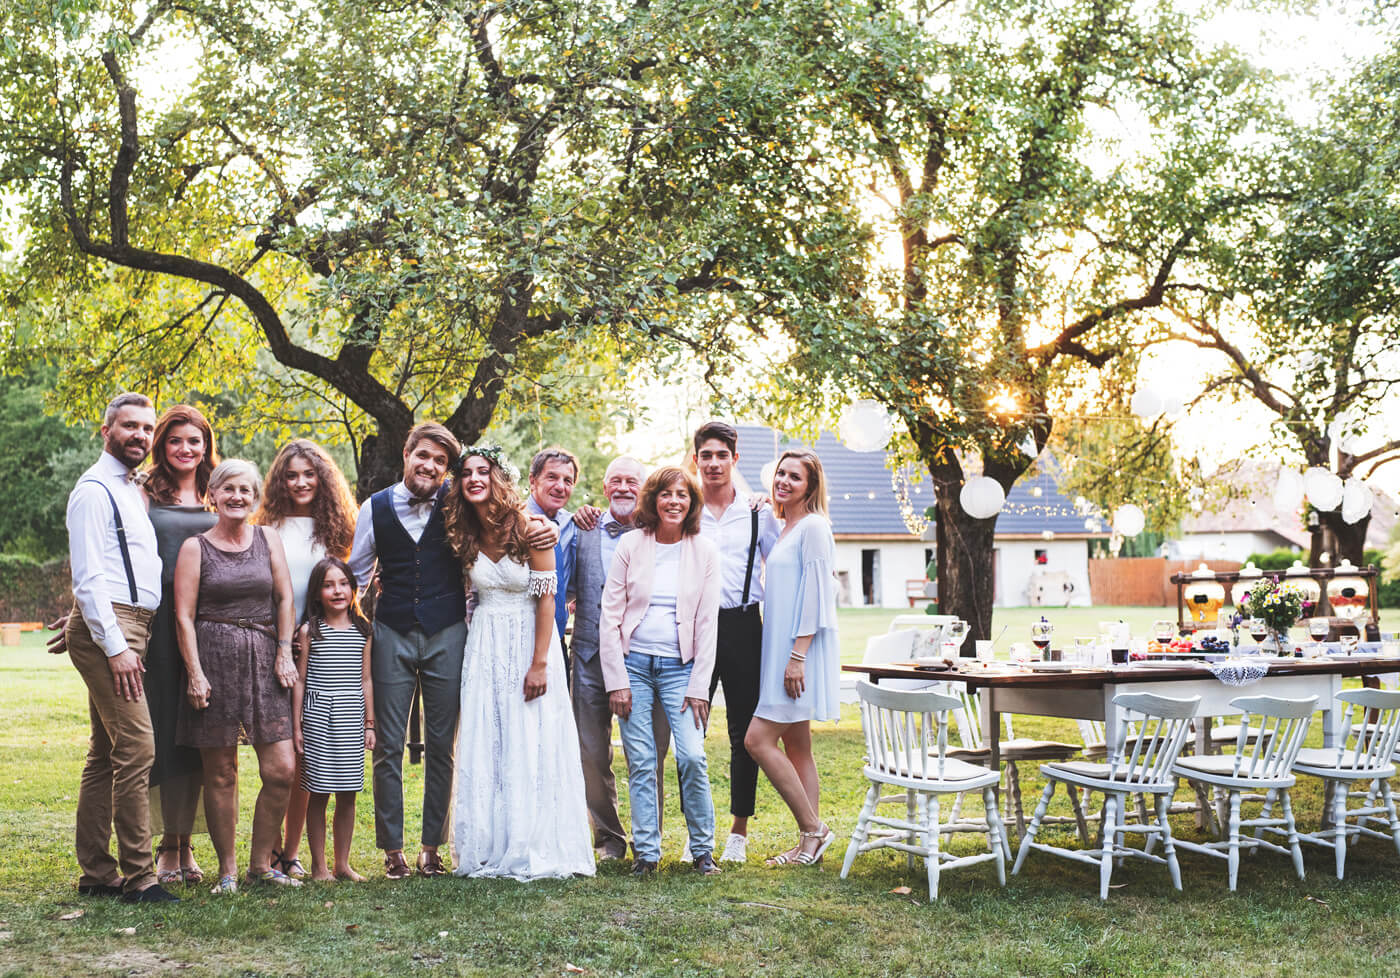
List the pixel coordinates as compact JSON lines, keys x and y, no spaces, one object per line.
{"x":660,"y":683}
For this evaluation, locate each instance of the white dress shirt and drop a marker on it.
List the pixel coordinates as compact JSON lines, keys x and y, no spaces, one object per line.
{"x":99,"y":577}
{"x":413,"y":514}
{"x":730,"y":534}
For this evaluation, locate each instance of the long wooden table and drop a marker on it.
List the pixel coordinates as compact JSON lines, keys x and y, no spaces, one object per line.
{"x":1087,"y":693}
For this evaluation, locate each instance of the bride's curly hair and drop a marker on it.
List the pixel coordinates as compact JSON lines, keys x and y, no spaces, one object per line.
{"x":504,"y":512}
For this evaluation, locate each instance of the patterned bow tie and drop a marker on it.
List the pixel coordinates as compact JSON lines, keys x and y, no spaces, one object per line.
{"x":417,"y":501}
{"x":616,"y":530}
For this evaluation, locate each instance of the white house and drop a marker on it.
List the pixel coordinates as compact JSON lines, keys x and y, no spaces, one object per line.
{"x":1041,"y":541}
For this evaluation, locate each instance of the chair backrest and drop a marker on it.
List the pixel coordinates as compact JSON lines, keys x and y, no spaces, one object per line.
{"x":1158,"y":740}
{"x":1374,"y":716}
{"x":1278,"y":727}
{"x":906,"y":731}
{"x":1091,"y":732}
{"x":893,"y":647}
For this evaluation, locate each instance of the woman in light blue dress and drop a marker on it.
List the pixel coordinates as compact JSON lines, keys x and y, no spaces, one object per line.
{"x":799,"y":676}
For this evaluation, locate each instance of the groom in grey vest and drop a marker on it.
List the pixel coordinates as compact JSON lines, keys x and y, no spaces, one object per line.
{"x":622,"y":485}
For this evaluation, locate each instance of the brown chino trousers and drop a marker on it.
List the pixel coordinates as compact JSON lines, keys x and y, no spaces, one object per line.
{"x":115,"y":790}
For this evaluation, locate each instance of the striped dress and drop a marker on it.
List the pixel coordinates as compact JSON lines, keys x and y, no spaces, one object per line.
{"x":333,"y":713}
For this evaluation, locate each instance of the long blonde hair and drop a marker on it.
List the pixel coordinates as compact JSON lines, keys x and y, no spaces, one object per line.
{"x":816,"y":481}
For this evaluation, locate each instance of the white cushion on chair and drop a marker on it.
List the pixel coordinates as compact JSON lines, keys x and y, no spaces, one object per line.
{"x":1091,"y":774}
{"x":1322,"y":762}
{"x":953,"y":770}
{"x":1220,"y":769}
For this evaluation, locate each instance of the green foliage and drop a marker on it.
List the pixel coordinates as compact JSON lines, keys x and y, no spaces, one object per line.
{"x":1277,"y":603}
{"x":40,"y":459}
{"x":398,"y":211}
{"x":1274,"y":560}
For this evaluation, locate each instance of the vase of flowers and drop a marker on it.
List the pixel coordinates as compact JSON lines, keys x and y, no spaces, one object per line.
{"x":1278,"y":605}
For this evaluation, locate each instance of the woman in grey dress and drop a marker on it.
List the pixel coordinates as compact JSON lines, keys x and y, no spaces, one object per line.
{"x":182,"y":457}
{"x":233,"y":607}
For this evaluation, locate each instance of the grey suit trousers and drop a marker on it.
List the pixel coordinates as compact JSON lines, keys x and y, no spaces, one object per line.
{"x":399,"y":663}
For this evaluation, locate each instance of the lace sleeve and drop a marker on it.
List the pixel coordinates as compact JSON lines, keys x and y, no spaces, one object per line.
{"x":542,"y":583}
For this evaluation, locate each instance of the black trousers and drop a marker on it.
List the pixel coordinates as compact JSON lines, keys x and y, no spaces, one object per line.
{"x":738,"y":651}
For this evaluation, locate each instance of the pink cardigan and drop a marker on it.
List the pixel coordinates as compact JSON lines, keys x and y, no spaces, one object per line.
{"x":628,"y":592}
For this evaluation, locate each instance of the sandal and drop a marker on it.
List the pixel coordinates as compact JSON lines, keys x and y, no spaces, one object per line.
{"x":271,"y":875}
{"x":796,"y":857}
{"x":227,"y":886}
{"x":292,"y":867}
{"x":191,"y":874}
{"x":168,"y":877}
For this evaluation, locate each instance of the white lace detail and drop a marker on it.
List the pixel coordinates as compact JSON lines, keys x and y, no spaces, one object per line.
{"x":1238,"y":672}
{"x":542,"y":583}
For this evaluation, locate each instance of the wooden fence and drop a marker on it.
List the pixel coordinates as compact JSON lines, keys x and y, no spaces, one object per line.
{"x":1144,"y":581}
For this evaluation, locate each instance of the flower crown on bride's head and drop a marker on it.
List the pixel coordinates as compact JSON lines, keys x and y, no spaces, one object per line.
{"x":494,"y":454}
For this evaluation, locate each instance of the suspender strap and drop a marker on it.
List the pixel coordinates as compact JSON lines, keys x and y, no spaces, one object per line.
{"x":753,"y":547}
{"x":126,"y":553}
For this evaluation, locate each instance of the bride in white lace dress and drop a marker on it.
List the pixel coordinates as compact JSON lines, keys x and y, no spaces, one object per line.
{"x":519,"y":809}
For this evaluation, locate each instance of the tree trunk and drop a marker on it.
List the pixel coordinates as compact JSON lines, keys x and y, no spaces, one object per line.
{"x":965,"y":565}
{"x":380,"y":463}
{"x":1339,"y":539}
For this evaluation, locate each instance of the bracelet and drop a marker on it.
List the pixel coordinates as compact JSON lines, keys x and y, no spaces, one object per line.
{"x":284,"y":641}
{"x":369,"y":724}
{"x":797,"y":656}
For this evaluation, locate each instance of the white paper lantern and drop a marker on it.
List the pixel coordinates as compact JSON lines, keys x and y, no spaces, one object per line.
{"x":1356,"y":501}
{"x":1129,"y":520}
{"x":1146,"y":403}
{"x":1323,"y":488}
{"x":1173,"y":404}
{"x":765,"y":475}
{"x":1028,"y":447}
{"x":982,"y":497}
{"x":1288,"y":491}
{"x":865,"y":426}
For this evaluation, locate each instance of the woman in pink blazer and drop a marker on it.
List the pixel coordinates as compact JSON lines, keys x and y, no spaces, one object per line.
{"x":656,"y":644}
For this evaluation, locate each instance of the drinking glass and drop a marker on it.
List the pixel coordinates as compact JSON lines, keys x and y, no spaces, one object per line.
{"x":1257,"y":629}
{"x":1084,"y":651}
{"x":1350,"y":643}
{"x":1040,"y":636}
{"x":954,"y":635}
{"x":1023,"y":654}
{"x":1319,"y":627}
{"x":1164,"y":630}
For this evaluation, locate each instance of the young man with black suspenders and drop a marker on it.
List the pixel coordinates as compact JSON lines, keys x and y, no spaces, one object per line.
{"x":744,"y":535}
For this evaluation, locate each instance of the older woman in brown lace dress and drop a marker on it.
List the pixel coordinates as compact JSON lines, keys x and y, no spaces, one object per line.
{"x":234,"y":614}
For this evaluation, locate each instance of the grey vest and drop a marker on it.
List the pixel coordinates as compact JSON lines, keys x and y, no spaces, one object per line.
{"x":589,"y":578}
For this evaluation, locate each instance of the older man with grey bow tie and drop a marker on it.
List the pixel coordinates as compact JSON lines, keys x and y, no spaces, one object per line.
{"x":622,"y":485}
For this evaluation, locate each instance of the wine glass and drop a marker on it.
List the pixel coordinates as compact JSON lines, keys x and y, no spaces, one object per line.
{"x":1040,"y":637}
{"x":954,"y":635}
{"x":1318,"y":628}
{"x":1257,"y":629}
{"x":1164,"y":630}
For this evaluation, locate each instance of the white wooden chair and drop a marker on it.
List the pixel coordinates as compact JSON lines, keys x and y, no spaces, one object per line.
{"x":1366,"y":758}
{"x":906,"y":747}
{"x":1013,"y":749}
{"x":1142,"y":768}
{"x":1268,"y":737}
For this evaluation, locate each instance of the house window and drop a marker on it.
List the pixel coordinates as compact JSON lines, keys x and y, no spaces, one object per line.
{"x":870,"y":577}
{"x":1041,"y":557}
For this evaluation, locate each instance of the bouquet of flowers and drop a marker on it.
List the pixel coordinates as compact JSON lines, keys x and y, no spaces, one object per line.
{"x":1277,"y":605}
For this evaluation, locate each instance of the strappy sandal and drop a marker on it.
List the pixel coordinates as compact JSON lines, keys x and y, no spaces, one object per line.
{"x":292,"y":867}
{"x":168,"y":877}
{"x":227,"y":886}
{"x":796,"y":857}
{"x":190,"y":874}
{"x":271,"y":875}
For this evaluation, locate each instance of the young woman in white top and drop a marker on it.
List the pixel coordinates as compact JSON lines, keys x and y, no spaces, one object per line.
{"x":308,"y":503}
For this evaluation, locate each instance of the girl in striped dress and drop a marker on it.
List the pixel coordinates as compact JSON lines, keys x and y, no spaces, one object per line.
{"x":334,"y":716}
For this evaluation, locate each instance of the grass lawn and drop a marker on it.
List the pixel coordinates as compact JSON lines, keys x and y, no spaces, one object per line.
{"x":750,"y":921}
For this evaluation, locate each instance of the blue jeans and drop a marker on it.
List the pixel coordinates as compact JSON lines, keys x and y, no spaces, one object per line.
{"x":661,"y":682}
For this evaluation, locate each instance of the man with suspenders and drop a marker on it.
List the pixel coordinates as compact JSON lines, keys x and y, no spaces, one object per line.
{"x":744,"y":535}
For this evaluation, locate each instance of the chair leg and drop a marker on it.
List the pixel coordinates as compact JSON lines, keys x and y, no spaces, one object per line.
{"x":932,"y":835}
{"x":1029,"y":835}
{"x":1168,"y":847}
{"x":1205,"y":818}
{"x":1110,"y":837}
{"x":1013,"y":786}
{"x":1079,"y":820}
{"x":1269,"y":797}
{"x":1234,"y":852}
{"x":1389,"y":800}
{"x":996,"y":836}
{"x":862,"y":830}
{"x":1293,"y":846}
{"x":1339,"y":825}
{"x":956,"y":812}
{"x":911,"y":805}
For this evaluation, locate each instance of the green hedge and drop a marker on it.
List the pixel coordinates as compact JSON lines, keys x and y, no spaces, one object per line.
{"x":31,"y":590}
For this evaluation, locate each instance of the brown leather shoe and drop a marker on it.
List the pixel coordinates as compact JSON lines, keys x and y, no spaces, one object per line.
{"x":395,"y":865}
{"x":430,"y":864}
